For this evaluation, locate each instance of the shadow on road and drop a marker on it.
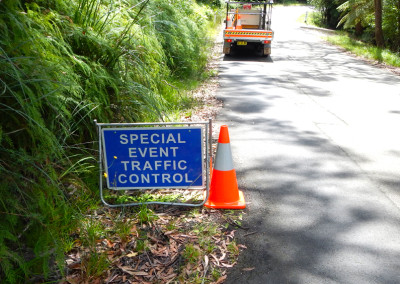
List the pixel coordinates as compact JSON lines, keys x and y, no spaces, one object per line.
{"x":247,"y":54}
{"x":324,"y":207}
{"x":313,"y":215}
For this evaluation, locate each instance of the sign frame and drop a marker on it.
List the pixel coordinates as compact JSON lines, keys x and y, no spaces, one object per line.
{"x":205,"y":157}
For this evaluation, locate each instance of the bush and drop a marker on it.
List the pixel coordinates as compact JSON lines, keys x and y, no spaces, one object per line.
{"x":63,"y":64}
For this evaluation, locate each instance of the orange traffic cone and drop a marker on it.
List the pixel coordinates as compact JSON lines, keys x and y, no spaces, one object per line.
{"x":229,"y":23}
{"x":239,"y":22}
{"x":224,"y":192}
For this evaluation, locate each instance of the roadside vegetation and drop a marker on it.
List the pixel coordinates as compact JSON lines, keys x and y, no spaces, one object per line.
{"x":364,"y":50}
{"x":62,"y":65}
{"x":289,"y":2}
{"x":367,"y":28}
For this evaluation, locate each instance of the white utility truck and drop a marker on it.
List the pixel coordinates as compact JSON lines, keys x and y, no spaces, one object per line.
{"x":248,"y":23}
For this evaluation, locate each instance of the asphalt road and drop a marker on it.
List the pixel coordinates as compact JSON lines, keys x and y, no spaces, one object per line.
{"x":316,"y":146}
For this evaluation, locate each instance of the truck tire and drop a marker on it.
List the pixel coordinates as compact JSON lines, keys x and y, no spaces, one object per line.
{"x":227,"y":48}
{"x":266,"y":51}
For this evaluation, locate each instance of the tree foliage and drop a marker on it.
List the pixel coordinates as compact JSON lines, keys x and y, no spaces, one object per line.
{"x":355,"y":12}
{"x":328,"y":11}
{"x":375,"y":19}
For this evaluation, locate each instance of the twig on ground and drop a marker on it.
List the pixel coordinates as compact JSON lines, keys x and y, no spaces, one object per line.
{"x":251,"y":233}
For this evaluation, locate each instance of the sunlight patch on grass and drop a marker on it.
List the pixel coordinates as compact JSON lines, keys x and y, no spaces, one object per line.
{"x":367,"y":51}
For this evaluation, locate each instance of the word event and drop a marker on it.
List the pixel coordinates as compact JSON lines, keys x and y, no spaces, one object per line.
{"x":153,"y":157}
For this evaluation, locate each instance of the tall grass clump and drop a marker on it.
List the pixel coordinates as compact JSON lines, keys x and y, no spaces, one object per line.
{"x":63,"y":64}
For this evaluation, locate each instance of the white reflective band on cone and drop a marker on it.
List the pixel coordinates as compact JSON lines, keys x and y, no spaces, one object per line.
{"x":223,"y":159}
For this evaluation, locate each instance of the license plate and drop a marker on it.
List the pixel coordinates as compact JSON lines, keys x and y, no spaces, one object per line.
{"x":241,"y":43}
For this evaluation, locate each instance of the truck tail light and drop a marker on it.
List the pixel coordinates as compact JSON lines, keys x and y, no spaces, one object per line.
{"x":228,"y":40}
{"x":267,"y":41}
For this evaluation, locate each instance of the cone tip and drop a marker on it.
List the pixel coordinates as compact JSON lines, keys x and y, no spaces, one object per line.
{"x":223,"y":135}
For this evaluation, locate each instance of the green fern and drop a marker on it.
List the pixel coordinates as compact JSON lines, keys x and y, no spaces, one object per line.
{"x":354,"y":11}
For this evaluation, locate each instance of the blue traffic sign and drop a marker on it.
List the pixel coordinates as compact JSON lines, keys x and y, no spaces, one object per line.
{"x":153,"y":157}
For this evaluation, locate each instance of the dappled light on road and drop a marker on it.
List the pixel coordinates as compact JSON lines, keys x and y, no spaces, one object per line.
{"x":316,"y":148}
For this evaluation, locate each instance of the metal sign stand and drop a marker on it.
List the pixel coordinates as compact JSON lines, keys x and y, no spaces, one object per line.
{"x":206,"y":154}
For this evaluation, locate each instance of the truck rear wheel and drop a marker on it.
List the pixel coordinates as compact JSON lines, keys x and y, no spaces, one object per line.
{"x":266,"y":51}
{"x":227,"y":51}
{"x":227,"y":48}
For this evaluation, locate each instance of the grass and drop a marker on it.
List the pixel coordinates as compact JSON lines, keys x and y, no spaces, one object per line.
{"x":191,"y":253}
{"x":145,"y":215}
{"x":313,"y":18}
{"x":61,"y":66}
{"x":166,"y":196}
{"x":123,"y":228}
{"x":362,"y":49}
{"x":94,"y":265}
{"x":353,"y":45}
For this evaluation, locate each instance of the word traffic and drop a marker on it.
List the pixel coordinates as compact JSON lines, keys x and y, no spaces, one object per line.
{"x":153,"y":157}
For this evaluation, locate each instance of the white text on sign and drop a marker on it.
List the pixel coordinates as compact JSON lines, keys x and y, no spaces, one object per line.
{"x":154,"y":157}
{"x":154,"y":138}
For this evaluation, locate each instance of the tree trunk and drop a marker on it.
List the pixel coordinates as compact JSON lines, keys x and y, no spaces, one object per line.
{"x":359,"y":28}
{"x":378,"y":24}
{"x":398,"y":26}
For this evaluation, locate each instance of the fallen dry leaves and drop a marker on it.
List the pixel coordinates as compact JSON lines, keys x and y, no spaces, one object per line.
{"x":183,"y":246}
